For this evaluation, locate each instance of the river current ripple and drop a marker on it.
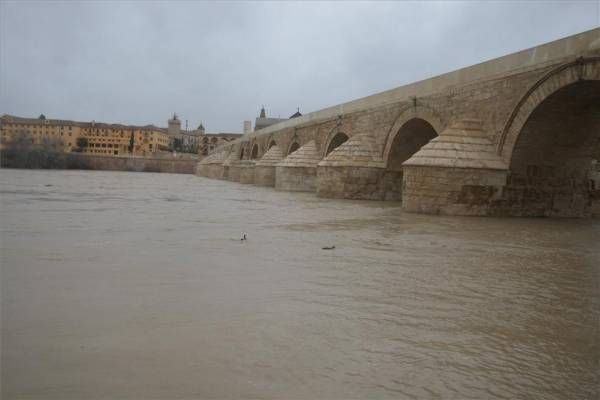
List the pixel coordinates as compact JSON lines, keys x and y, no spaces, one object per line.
{"x":137,"y":285}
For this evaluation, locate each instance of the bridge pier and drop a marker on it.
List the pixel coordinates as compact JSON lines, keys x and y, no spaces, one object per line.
{"x":229,"y":160}
{"x":211,"y":166}
{"x":531,"y":156}
{"x":457,"y":173}
{"x":234,"y":171}
{"x":264,"y":171}
{"x":298,"y":171}
{"x":354,"y":170}
{"x":451,"y":191}
{"x":246,"y":171}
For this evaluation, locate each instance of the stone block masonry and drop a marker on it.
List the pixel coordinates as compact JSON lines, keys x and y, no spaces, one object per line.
{"x":264,"y":170}
{"x":264,"y":175}
{"x":247,"y":171}
{"x":451,"y":191}
{"x":298,"y":171}
{"x":299,"y":179}
{"x":350,"y":183}
{"x":116,"y":163}
{"x":511,"y":136}
{"x":137,"y":164}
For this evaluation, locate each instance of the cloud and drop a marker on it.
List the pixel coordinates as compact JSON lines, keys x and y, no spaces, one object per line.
{"x":137,"y":62}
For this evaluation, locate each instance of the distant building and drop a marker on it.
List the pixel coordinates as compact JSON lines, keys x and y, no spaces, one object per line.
{"x":196,"y":141}
{"x":210,"y":141}
{"x":112,"y":139}
{"x":296,"y":114}
{"x":174,"y":126}
{"x":262,"y":121}
{"x":85,"y":137}
{"x":247,"y":127}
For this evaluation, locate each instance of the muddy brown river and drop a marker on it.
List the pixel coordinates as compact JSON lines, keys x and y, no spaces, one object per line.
{"x":119,"y":285}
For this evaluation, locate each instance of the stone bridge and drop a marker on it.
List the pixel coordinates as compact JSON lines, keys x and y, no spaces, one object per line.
{"x":516,"y":136}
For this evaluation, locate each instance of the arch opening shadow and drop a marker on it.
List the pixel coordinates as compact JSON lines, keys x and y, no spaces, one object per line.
{"x":551,"y":170}
{"x":271,"y":144}
{"x":295,"y":146}
{"x":339,"y":139}
{"x":409,"y":139}
{"x":413,"y":135}
{"x":254,"y":154}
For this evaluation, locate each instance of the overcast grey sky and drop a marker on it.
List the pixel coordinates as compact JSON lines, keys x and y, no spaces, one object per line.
{"x":138,"y":62}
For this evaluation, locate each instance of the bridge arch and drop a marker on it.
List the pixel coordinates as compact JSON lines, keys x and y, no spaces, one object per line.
{"x":409,"y":135}
{"x":272,"y":143}
{"x":412,"y":135}
{"x":334,"y":140}
{"x":414,"y":112}
{"x":549,"y":143}
{"x":255,"y":151}
{"x":293,"y":147}
{"x":583,"y":69}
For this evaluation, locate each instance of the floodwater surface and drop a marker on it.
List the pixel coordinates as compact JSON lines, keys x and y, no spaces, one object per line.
{"x":119,"y":285}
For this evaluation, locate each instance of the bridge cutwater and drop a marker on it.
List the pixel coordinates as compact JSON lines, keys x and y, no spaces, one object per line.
{"x":513,"y":136}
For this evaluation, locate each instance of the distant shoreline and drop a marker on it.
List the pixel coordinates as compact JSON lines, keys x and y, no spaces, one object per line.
{"x":59,"y":160}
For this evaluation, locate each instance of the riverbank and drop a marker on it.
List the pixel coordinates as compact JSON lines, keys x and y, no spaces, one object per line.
{"x":56,"y":160}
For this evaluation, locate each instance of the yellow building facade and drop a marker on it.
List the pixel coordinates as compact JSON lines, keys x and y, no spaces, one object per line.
{"x":86,"y":137}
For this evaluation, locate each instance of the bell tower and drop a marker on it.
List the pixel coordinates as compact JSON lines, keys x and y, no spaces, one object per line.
{"x":174,"y":126}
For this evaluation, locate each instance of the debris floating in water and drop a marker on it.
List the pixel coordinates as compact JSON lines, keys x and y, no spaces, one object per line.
{"x":243,"y":237}
{"x":328,"y":248}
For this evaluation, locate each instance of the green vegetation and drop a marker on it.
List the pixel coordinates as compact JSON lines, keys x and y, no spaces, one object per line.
{"x":180,"y":146}
{"x":82,"y":143}
{"x":131,"y":143}
{"x":23,"y":152}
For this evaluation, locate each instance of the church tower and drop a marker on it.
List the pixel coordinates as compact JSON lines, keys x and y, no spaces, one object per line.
{"x":174,"y":126}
